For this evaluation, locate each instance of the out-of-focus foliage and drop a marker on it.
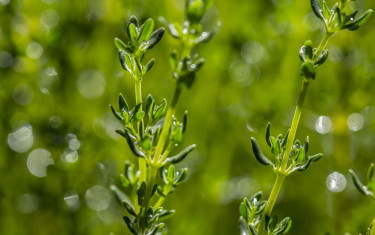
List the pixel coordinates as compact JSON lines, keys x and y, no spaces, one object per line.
{"x":59,"y":71}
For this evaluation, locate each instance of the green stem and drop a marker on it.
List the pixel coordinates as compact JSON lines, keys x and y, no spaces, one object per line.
{"x":270,"y":203}
{"x":323,"y":43}
{"x":150,"y":185}
{"x":293,"y":128}
{"x":138,"y":99}
{"x":373,"y":227}
{"x":281,"y":173}
{"x":166,"y":126}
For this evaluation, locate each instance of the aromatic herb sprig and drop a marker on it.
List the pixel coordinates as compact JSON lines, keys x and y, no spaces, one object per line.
{"x":290,"y":155}
{"x":151,"y":130}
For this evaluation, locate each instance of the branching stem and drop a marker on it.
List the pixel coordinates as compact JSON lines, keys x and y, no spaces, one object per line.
{"x":281,"y":173}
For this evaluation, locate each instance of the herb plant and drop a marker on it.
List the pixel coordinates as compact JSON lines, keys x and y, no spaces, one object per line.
{"x":367,"y":190}
{"x":290,"y":155}
{"x":151,"y":129}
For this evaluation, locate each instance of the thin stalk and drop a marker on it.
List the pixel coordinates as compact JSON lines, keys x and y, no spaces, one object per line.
{"x":150,"y":185}
{"x":138,"y":99}
{"x":271,"y":202}
{"x":293,"y":128}
{"x":166,"y":126}
{"x":323,"y":43}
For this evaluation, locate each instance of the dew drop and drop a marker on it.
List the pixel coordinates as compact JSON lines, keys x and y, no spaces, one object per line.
{"x":38,"y":161}
{"x":91,"y":84}
{"x":252,"y":52}
{"x":22,"y":139}
{"x":336,"y":182}
{"x":50,"y":18}
{"x":71,"y":199}
{"x":323,"y":125}
{"x":34,"y":50}
{"x":74,"y":144}
{"x":355,"y":121}
{"x":98,"y":198}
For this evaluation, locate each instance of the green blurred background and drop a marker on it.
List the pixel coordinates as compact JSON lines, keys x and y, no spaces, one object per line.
{"x":59,"y":70}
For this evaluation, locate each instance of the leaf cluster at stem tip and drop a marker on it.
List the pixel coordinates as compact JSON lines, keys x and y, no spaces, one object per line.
{"x":298,"y":158}
{"x":191,"y":34}
{"x":141,"y":39}
{"x":335,"y":19}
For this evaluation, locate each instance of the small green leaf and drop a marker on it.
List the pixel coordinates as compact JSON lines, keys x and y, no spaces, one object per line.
{"x":322,"y":58}
{"x":149,"y":105}
{"x":173,"y":60}
{"x":160,"y":110}
{"x":300,"y":156}
{"x":133,"y":20}
{"x":148,"y":66}
{"x":130,"y":225}
{"x":146,"y":143}
{"x":308,"y":49}
{"x":121,"y":45}
{"x":306,"y":145}
{"x":138,"y":116}
{"x":283,"y":143}
{"x":275,"y":146}
{"x":283,"y":227}
{"x":326,"y":11}
{"x":357,"y":182}
{"x":163,"y":174}
{"x":180,"y":176}
{"x":268,"y":134}
{"x":137,"y":108}
{"x":165,"y":215}
{"x":316,"y":157}
{"x":132,"y":33}
{"x":359,"y":21}
{"x":153,"y":40}
{"x":129,"y":208}
{"x":271,"y":224}
{"x":244,"y":212}
{"x":184,"y":122}
{"x":122,"y":103}
{"x":141,"y":192}
{"x":171,"y":174}
{"x":205,"y":37}
{"x":133,"y":147}
{"x":146,"y":30}
{"x":175,"y":32}
{"x":115,"y":113}
{"x":370,"y":172}
{"x":317,"y":8}
{"x":157,"y":228}
{"x":260,"y":207}
{"x":258,"y":153}
{"x":181,"y":155}
{"x":123,"y":63}
{"x":253,"y":230}
{"x":256,"y":196}
{"x":243,"y":227}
